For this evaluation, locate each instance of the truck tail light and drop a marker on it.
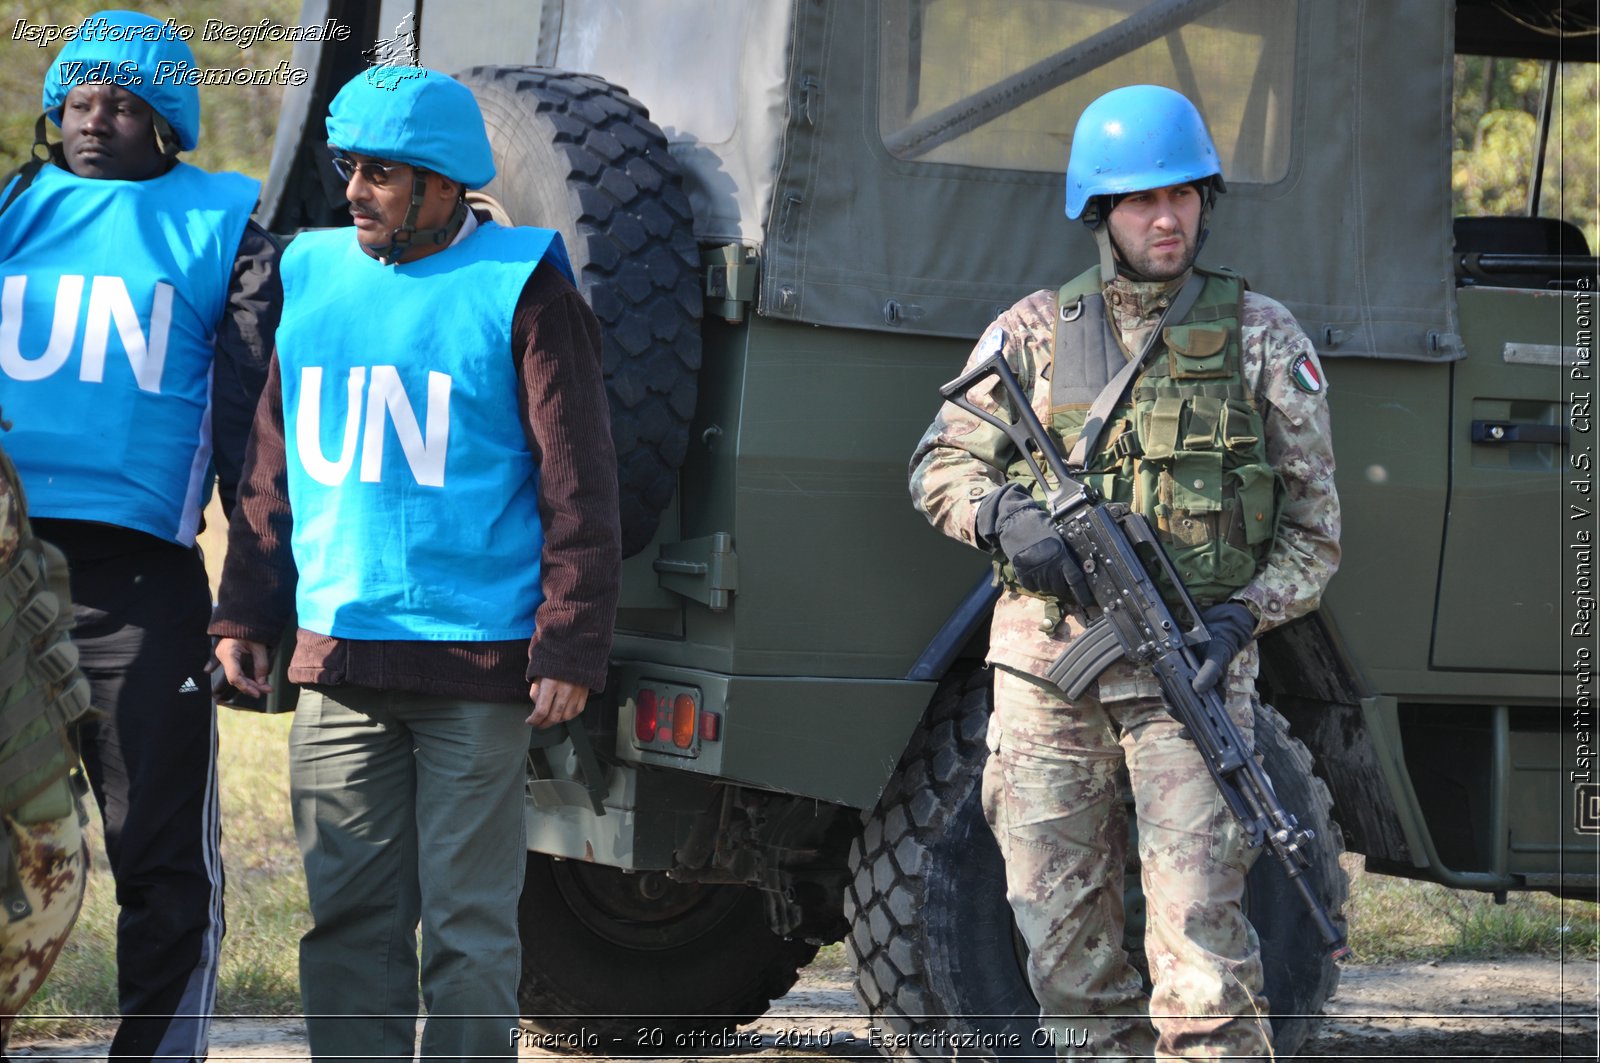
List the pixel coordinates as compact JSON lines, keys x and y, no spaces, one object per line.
{"x":671,"y":718}
{"x":684,"y":723}
{"x":644,"y":715}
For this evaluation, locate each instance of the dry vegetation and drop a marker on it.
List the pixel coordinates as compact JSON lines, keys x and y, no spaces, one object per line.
{"x":237,"y":123}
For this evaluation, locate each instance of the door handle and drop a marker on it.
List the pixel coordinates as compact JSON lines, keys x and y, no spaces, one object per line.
{"x":1501,"y":432}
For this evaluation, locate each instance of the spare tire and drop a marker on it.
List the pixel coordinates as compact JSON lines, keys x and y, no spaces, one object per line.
{"x":577,"y":154}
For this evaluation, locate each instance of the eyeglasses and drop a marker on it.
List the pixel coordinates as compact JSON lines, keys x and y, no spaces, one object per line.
{"x":376,"y":174}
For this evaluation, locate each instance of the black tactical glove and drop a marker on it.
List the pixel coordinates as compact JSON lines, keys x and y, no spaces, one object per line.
{"x":1012,"y":522}
{"x":1232,"y":626}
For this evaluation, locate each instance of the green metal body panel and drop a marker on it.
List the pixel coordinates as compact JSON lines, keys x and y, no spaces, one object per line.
{"x":1503,"y":544}
{"x":799,"y":450}
{"x":1390,"y":422}
{"x":1542,"y":836}
{"x":648,"y":815}
{"x":1450,"y":585}
{"x":836,"y":740}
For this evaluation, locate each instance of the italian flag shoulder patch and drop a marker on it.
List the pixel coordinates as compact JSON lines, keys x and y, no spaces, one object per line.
{"x":1305,"y":373}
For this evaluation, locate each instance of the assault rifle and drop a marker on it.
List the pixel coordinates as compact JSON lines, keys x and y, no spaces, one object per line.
{"x":1109,"y":542}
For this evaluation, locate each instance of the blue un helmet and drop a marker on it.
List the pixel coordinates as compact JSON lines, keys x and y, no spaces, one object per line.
{"x":1134,"y":139}
{"x":425,"y":119}
{"x":416,"y":116}
{"x":136,"y":52}
{"x":1137,"y":138}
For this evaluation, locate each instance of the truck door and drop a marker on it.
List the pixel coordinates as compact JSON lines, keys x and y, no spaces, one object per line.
{"x":1520,"y":438}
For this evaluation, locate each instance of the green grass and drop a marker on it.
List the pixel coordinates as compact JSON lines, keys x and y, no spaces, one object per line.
{"x":1393,"y":919}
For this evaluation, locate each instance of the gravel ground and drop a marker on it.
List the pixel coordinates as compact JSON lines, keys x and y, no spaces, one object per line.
{"x":1526,"y":1007}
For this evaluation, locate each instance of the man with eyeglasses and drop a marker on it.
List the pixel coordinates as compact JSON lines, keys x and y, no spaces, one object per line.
{"x":137,"y":319}
{"x":432,"y":491}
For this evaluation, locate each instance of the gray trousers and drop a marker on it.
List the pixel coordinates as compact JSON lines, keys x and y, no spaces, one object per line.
{"x":409,"y":810}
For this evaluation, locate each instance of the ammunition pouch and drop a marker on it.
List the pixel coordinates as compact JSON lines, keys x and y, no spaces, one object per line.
{"x":43,"y":693}
{"x":1186,"y":448}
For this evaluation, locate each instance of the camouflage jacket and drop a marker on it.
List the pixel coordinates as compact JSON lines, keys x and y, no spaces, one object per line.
{"x":960,"y":460}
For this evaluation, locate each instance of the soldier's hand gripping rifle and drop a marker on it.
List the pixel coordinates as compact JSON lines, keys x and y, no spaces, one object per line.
{"x":1111,"y":545}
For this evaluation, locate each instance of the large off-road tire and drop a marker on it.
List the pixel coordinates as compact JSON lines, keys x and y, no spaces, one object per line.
{"x":931,"y":936}
{"x":932,"y":941}
{"x":608,"y":954}
{"x":1300,"y":973}
{"x":576,"y":154}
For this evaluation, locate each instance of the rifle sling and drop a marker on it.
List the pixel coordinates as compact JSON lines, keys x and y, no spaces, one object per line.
{"x":1118,"y":386}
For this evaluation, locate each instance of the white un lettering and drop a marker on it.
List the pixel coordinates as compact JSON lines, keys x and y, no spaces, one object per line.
{"x":385,"y":400}
{"x":109,"y":304}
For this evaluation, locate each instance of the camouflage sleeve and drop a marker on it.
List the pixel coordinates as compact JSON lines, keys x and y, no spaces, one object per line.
{"x":1292,"y":394}
{"x":961,"y":459}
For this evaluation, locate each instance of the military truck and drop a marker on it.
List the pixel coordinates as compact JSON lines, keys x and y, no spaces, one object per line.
{"x":794,"y":218}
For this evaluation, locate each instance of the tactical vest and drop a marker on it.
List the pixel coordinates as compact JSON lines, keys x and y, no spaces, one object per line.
{"x":1186,"y":447}
{"x":43,"y":694}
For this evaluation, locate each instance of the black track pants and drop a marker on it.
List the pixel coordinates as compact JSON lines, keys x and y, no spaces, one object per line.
{"x":141,"y":620}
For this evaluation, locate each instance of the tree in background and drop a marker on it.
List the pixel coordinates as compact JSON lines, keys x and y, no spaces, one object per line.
{"x":237,"y":121}
{"x":1496,"y":129}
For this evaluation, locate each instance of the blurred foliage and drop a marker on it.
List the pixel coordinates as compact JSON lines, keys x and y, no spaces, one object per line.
{"x":236,"y":122}
{"x":1497,"y":105}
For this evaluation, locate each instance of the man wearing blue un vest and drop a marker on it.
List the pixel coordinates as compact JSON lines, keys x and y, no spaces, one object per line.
{"x":137,"y":308}
{"x":432,"y":492}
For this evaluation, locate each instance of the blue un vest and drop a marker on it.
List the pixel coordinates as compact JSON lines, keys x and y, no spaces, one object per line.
{"x":110,"y":294}
{"x":414,"y":493}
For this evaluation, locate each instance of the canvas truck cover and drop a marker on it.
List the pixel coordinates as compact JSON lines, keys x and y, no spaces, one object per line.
{"x":899,"y":164}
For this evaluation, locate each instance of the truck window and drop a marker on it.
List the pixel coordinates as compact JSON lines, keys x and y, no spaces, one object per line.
{"x":1499,"y":105}
{"x":999,"y":84}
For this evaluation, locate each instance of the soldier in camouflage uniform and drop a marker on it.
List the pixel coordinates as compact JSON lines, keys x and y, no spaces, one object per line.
{"x":1223,"y":443}
{"x":43,"y":857}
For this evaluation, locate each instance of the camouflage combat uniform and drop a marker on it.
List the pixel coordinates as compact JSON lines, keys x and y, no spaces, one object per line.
{"x":1051,"y":786}
{"x":44,"y":859}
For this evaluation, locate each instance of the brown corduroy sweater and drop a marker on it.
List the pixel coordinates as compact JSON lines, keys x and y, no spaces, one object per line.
{"x":556,"y":348}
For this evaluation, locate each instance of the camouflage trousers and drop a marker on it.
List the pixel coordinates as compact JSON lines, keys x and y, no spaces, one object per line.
{"x":1053,"y":794}
{"x":52,"y":861}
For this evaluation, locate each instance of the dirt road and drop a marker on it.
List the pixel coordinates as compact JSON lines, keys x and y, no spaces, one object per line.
{"x":1526,"y":1007}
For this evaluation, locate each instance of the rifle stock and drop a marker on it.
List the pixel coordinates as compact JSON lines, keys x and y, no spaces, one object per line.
{"x":1115,"y":549}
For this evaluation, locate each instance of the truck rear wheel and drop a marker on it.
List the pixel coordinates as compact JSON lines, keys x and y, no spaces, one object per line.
{"x":932,"y":940}
{"x":576,"y":154}
{"x":654,"y":963}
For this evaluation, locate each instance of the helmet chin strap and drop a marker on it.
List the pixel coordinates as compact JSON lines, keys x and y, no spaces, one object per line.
{"x":407,"y":235}
{"x":1094,"y":216}
{"x":166,"y":139}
